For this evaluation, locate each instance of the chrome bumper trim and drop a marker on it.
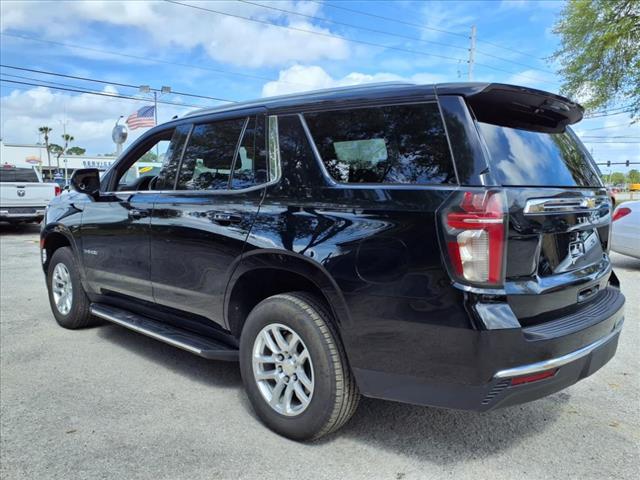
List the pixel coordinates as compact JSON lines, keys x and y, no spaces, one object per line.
{"x":558,"y":361}
{"x":8,"y":214}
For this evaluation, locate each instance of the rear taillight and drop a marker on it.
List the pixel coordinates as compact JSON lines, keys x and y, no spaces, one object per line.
{"x":58,"y":190}
{"x":474,"y":227}
{"x":620,"y":212}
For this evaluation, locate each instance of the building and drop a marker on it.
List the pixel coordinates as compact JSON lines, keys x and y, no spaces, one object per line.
{"x":22,"y":155}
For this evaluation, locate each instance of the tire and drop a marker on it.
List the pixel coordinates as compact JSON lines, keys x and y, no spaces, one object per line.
{"x":76,"y":313}
{"x":334,"y":396}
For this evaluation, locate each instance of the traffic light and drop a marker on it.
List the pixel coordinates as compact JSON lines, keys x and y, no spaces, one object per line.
{"x":626,"y":163}
{"x":608,"y":163}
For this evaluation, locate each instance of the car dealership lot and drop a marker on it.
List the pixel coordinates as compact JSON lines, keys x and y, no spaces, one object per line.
{"x":109,"y":403}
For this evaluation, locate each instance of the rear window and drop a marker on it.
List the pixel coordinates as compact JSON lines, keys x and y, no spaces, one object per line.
{"x":526,"y":158}
{"x":27,"y":175}
{"x":390,"y":144}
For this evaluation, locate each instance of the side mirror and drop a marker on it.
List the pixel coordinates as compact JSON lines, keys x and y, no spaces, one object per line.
{"x":86,"y":180}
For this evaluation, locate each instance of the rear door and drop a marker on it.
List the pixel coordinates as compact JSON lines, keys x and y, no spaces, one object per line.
{"x":198,"y":230}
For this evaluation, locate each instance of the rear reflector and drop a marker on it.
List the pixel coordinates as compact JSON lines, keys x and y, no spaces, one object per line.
{"x":58,"y":190}
{"x":533,"y":377}
{"x":620,"y":212}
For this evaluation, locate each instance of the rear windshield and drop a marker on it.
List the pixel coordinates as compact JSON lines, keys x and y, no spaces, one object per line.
{"x":18,"y":175}
{"x":526,"y":158}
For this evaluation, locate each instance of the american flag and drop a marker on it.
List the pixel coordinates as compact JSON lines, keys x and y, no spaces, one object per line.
{"x":142,"y":118}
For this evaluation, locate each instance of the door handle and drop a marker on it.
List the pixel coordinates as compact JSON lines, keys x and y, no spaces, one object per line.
{"x":226,"y":218}
{"x":136,"y":214}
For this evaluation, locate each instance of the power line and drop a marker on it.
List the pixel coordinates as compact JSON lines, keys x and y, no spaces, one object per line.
{"x":592,"y":117}
{"x":417,"y":25}
{"x":366,"y":29}
{"x":37,"y":80}
{"x":612,"y":109}
{"x":351,"y":40}
{"x":620,"y":125}
{"x":149,"y":59}
{"x":102,"y":94}
{"x":312,"y":32}
{"x":394,"y":20}
{"x":383,"y":32}
{"x":613,"y":136}
{"x":598,"y":142}
{"x":115,"y":84}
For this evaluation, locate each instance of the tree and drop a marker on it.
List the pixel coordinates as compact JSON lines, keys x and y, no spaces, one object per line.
{"x":617,"y":178}
{"x":634,"y":176}
{"x":46,"y":131}
{"x":76,"y":151}
{"x":149,"y":157}
{"x":55,"y":149}
{"x":599,"y":52}
{"x":67,"y":140}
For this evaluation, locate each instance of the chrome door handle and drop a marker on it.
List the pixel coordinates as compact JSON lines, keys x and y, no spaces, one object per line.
{"x":226,"y":218}
{"x":136,"y":214}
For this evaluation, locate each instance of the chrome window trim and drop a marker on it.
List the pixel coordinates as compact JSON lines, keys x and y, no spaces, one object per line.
{"x":273,"y":148}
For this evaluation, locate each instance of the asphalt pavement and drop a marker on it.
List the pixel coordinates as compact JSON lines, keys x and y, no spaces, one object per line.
{"x":109,"y":403}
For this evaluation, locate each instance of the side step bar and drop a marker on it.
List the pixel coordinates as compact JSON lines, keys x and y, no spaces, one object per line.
{"x":189,"y":341}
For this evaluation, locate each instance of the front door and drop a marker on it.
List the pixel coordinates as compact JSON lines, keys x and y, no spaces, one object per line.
{"x":115,"y":228}
{"x":198,"y":231}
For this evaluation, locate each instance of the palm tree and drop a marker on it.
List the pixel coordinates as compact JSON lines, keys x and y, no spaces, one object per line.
{"x":46,"y":131}
{"x":67,"y":140}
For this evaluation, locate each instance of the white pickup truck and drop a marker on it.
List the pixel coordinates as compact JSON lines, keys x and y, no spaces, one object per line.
{"x":23,"y":194}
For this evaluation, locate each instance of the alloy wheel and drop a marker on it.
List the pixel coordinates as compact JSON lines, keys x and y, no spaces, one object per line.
{"x":62,"y":288}
{"x":283,"y":369}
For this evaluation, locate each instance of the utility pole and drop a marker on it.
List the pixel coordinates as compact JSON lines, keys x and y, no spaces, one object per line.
{"x":472,"y":51}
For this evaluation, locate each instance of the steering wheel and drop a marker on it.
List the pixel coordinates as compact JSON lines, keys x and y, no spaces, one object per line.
{"x":152,"y":183}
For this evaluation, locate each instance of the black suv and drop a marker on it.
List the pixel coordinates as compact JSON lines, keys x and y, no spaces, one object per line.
{"x":442,"y":245}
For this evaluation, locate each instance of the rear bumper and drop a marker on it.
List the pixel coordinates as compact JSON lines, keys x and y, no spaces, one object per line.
{"x":22,"y":213}
{"x":493,"y":388}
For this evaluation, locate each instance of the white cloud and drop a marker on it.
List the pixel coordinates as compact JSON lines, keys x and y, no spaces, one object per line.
{"x":534,"y":79}
{"x":89,"y":118}
{"x":300,"y":78}
{"x":224,"y":38}
{"x":448,"y":16}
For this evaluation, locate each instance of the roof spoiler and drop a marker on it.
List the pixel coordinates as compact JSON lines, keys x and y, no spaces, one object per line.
{"x":523,"y":108}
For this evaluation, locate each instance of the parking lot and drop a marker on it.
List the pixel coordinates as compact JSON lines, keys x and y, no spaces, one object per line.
{"x":109,"y":403}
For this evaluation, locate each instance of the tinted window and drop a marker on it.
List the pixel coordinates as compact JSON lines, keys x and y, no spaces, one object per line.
{"x":27,"y":175}
{"x":251,"y":160}
{"x":144,"y":169}
{"x":171,"y":160}
{"x":207,"y":160}
{"x":523,"y":157}
{"x":393,"y":144}
{"x":295,"y":153}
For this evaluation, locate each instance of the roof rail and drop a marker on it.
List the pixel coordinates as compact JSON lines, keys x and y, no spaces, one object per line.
{"x":298,"y":95}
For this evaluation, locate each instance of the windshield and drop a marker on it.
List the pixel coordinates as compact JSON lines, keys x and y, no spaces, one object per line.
{"x":18,"y":175}
{"x":527,"y":158}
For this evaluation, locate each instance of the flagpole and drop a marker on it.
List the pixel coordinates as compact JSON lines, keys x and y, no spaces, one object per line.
{"x":155,"y":120}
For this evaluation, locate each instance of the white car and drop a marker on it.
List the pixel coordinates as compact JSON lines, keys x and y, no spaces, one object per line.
{"x":23,"y":194}
{"x":625,"y":236}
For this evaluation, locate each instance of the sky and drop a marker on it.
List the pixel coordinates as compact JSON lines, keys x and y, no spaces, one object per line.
{"x":241,"y":50}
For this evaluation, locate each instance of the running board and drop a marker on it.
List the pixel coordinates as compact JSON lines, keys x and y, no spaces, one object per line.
{"x":191,"y":342}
